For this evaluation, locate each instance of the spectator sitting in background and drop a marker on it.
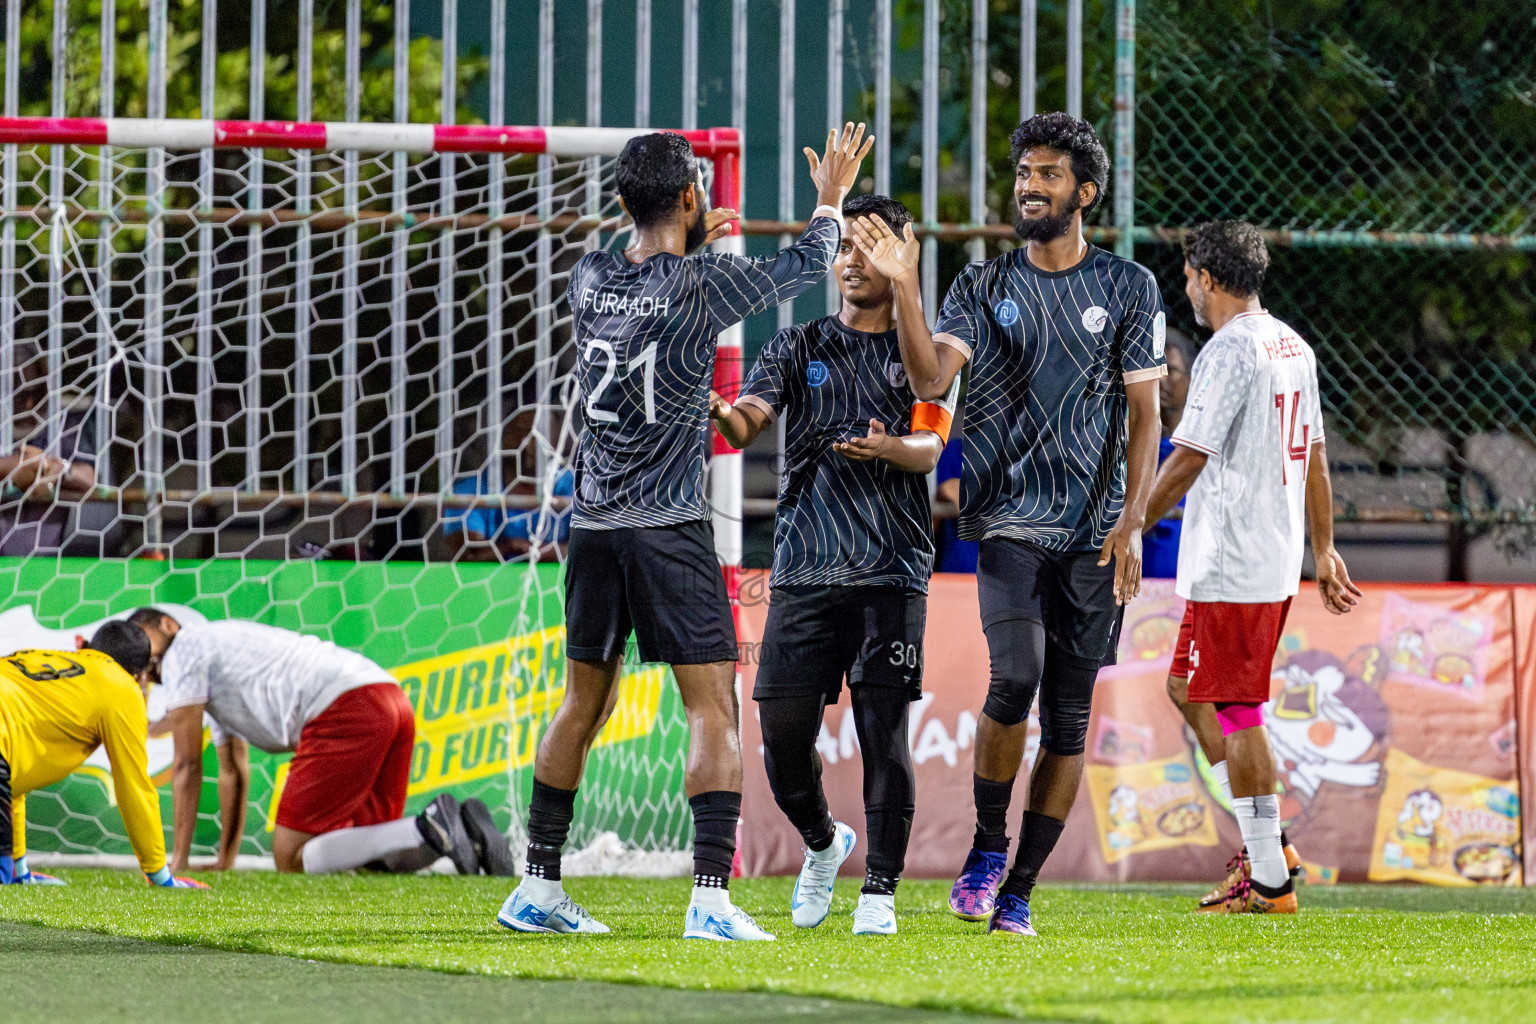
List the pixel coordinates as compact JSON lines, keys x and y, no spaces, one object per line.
{"x":1160,"y":545}
{"x":954,"y":554}
{"x":44,"y":468}
{"x":488,"y":534}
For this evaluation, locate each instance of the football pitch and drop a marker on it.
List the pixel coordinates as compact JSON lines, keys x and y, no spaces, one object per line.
{"x":1119,"y":956}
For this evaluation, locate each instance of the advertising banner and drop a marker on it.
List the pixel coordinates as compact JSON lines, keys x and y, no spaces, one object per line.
{"x":1394,"y":731}
{"x":478,"y":649}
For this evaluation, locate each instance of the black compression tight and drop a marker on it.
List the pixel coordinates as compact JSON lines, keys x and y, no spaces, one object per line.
{"x":790,"y":727}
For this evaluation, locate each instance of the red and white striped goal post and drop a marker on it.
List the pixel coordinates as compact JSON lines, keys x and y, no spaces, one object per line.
{"x":720,"y":145}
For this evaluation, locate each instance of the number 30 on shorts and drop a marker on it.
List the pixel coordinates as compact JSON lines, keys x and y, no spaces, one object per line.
{"x":904,"y":655}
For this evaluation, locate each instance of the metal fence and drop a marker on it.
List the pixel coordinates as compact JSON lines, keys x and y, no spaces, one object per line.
{"x":1385,"y":149}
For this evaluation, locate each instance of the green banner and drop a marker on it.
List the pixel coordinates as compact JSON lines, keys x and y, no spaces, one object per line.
{"x":477,"y":648}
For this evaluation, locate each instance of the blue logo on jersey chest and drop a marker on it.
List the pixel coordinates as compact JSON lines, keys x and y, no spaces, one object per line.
{"x":816,"y":373}
{"x":1006,"y":312}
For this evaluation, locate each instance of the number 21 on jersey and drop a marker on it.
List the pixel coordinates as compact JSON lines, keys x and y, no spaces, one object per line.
{"x":1289,"y":450}
{"x":645,"y":362}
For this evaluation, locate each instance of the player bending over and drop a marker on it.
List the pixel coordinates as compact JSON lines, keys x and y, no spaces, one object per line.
{"x":853,"y":550}
{"x":350,"y":729}
{"x":1249,"y":451}
{"x":641,"y":555}
{"x":56,"y":708}
{"x":1065,"y":343}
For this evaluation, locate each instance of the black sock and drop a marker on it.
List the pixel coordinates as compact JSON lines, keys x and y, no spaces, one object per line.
{"x":715,"y":815}
{"x":991,"y":814}
{"x":1036,"y":841}
{"x":878,"y":883}
{"x":549,"y":820}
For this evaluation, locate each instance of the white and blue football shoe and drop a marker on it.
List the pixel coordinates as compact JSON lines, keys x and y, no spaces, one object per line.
{"x":545,"y":906}
{"x":811,"y":900}
{"x":719,"y":920}
{"x":876,"y":915}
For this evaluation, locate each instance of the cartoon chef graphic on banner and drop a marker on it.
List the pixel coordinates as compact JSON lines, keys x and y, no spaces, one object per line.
{"x":1325,"y":726}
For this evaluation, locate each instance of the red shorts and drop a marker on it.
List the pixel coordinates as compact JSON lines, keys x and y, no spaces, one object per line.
{"x":1226,"y":651}
{"x":353,"y":762}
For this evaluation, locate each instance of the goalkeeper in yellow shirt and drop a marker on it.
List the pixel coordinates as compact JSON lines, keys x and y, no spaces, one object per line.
{"x":55,"y":709}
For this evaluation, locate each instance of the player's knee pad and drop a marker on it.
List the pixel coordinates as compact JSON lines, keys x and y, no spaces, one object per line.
{"x":1237,"y":717}
{"x":1066,"y":698}
{"x":1017,"y":650}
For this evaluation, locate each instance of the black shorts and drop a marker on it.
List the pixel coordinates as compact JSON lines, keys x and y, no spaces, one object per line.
{"x":662,"y":583}
{"x":815,"y":636}
{"x":1067,"y":592}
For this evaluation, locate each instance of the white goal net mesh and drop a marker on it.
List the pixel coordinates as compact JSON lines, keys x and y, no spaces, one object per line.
{"x":328,"y":391}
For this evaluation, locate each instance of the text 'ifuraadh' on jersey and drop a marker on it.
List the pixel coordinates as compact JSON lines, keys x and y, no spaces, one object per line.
{"x":613,"y":304}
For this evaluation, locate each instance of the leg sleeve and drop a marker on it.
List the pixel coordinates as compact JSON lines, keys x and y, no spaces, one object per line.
{"x":1066,"y":699}
{"x":880,"y":715}
{"x":1017,"y":651}
{"x":790,"y":727}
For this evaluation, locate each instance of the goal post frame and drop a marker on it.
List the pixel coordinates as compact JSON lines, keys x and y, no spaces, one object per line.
{"x":723,"y":146}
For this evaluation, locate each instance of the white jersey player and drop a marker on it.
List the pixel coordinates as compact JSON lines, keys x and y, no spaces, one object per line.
{"x":351,"y":730}
{"x":1249,"y":452}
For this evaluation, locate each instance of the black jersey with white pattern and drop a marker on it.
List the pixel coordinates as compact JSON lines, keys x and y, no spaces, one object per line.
{"x":645,"y":337}
{"x":1045,"y":415}
{"x":841,"y":522}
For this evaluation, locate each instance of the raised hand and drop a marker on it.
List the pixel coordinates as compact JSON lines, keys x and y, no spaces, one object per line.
{"x":863,"y":449}
{"x":719,"y":408}
{"x":838,"y":168}
{"x":717,"y":224}
{"x":893,"y":255}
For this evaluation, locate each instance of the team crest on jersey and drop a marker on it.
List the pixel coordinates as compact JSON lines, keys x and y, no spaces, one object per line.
{"x":896,"y":374}
{"x":1159,"y":334}
{"x":1006,"y":312}
{"x":1094,"y":319}
{"x":816,"y":373}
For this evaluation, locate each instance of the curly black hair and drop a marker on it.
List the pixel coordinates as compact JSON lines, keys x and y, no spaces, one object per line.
{"x":1234,"y":253}
{"x":124,"y":642}
{"x":652,"y":170}
{"x":895,"y":215}
{"x":1070,"y":135}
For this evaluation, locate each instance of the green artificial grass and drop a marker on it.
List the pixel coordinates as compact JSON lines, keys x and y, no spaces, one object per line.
{"x":1356,"y":955}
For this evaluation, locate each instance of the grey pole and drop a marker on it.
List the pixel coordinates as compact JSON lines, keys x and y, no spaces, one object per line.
{"x":834,"y":109}
{"x":304,"y":159}
{"x":1029,"y":21}
{"x":255,"y":178}
{"x":930,"y":155}
{"x":786,"y":136}
{"x":106,"y":320}
{"x":399,"y":274}
{"x":8,"y":237}
{"x":543,"y":291}
{"x":642,"y":63}
{"x":739,"y":85}
{"x":1125,"y":127}
{"x":154,"y":292}
{"x":495,"y":277}
{"x":446,"y":169}
{"x":351,"y":388}
{"x":978,"y":246}
{"x":202,"y":402}
{"x":690,"y":64}
{"x":882,"y":72}
{"x":53,"y":401}
{"x":1075,"y":57}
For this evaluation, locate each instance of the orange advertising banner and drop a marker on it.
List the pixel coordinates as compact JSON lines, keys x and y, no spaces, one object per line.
{"x":1394,"y":730}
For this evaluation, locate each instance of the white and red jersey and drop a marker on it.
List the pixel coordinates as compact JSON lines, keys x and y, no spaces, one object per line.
{"x":1254,"y":410}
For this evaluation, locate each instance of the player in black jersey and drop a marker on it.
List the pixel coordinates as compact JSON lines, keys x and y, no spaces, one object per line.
{"x":853,"y":550}
{"x":1065,"y":343}
{"x":641,"y":559}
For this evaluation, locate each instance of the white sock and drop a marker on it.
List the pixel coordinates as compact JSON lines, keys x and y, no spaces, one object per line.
{"x":542,"y":890}
{"x":711,"y":897}
{"x":349,"y":848}
{"x":1219,"y":769}
{"x":1259,"y":818}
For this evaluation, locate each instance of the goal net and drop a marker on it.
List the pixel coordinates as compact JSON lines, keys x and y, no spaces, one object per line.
{"x":319,"y":376}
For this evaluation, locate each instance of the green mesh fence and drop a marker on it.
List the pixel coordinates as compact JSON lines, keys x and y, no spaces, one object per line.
{"x":1388,"y":152}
